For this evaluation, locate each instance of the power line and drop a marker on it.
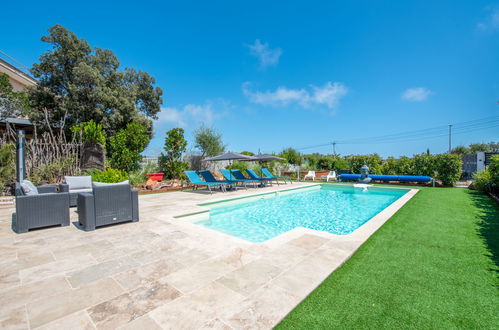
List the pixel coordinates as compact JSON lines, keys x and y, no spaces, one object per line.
{"x":422,"y":134}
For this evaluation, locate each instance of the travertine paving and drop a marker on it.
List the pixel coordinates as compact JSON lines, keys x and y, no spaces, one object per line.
{"x":163,"y":272}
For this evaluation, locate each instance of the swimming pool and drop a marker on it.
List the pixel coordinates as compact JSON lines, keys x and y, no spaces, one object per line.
{"x":335,"y":209}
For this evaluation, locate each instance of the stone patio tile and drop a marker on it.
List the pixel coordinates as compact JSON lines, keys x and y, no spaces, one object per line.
{"x":199,"y":275}
{"x":237,"y":257}
{"x":9,"y":280}
{"x":16,"y":319}
{"x":215,"y":324}
{"x":78,"y":320}
{"x":304,"y":277}
{"x":22,"y":295}
{"x":263,"y":309}
{"x":144,"y":323}
{"x":129,"y":306}
{"x":101,"y":270}
{"x":285,"y":256}
{"x":250,"y":277}
{"x":55,"y":268}
{"x":309,"y":242}
{"x":45,"y":310}
{"x":147,"y":274}
{"x":99,"y":250}
{"x":190,"y":257}
{"x":26,"y":261}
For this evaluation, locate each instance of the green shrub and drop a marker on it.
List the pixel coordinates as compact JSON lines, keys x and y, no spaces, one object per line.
{"x":7,"y":164}
{"x":483,"y":180}
{"x":238,"y":166}
{"x":424,"y":164}
{"x":372,"y":161}
{"x":91,"y":132}
{"x":494,"y":169}
{"x":488,"y":180}
{"x":53,"y":172}
{"x":171,"y":163}
{"x":110,"y":175}
{"x":448,"y":168}
{"x":127,"y":145}
{"x":401,"y":166}
{"x":292,"y":156}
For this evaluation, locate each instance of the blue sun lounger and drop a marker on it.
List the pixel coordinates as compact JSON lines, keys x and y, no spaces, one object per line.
{"x":269,"y":175}
{"x":255,"y":176}
{"x":240,"y":176}
{"x":231,"y":176}
{"x":196,"y":181}
{"x":208,"y":177}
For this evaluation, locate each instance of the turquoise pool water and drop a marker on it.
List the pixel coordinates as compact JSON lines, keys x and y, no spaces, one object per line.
{"x":335,"y":209}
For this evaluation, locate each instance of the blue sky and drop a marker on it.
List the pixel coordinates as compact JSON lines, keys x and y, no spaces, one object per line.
{"x":269,"y":75}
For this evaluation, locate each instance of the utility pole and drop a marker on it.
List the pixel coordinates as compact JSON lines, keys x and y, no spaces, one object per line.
{"x":450,"y":137}
{"x":334,"y":148}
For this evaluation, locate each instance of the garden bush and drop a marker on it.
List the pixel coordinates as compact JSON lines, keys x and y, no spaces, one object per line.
{"x":139,"y":177}
{"x":372,"y":161}
{"x":7,"y":165}
{"x":488,"y":180}
{"x":127,"y":145}
{"x":110,"y":175}
{"x":448,"y":168}
{"x":238,"y":166}
{"x":53,"y":172}
{"x":91,"y":132}
{"x":424,"y":164}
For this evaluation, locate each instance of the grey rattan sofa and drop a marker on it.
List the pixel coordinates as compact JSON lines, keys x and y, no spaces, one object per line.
{"x":108,"y":204}
{"x":75,"y":185}
{"x":47,"y":208}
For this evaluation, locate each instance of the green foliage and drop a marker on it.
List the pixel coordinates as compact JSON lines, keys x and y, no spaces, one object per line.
{"x":460,"y":150}
{"x":127,"y":145}
{"x":78,"y":83}
{"x":494,"y":168}
{"x":311,"y":161}
{"x":424,"y":164}
{"x":488,"y":180}
{"x":208,"y":141}
{"x":483,"y":180}
{"x":247,"y":153}
{"x":91,"y":132}
{"x":372,"y":161}
{"x":12,"y":104}
{"x":238,"y":166}
{"x":448,"y":168}
{"x":7,"y":164}
{"x":175,"y":145}
{"x":51,"y":173}
{"x":401,"y":166}
{"x":331,"y":163}
{"x":292,"y":156}
{"x":110,"y":175}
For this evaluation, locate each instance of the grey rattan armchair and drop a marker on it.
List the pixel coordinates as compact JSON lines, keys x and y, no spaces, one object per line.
{"x":107,"y":205}
{"x":47,"y":208}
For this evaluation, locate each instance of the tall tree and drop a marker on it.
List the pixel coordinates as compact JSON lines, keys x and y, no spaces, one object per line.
{"x":208,"y":141}
{"x":127,"y":145}
{"x":175,"y":145}
{"x":78,"y":83}
{"x":12,"y":104}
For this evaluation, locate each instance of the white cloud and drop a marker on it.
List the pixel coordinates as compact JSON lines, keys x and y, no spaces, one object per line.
{"x":491,"y":22}
{"x":328,"y":95}
{"x":416,"y":94}
{"x":266,"y":55}
{"x":194,"y":114}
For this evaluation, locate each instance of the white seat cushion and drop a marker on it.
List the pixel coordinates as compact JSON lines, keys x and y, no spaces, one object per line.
{"x":28,"y":188}
{"x":102,"y":184}
{"x":80,"y":190}
{"x":78,"y":182}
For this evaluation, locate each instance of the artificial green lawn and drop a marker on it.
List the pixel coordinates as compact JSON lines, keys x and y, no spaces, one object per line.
{"x":434,"y":265}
